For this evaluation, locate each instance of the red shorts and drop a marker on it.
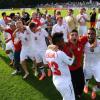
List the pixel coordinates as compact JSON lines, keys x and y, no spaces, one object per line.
{"x":92,"y":24}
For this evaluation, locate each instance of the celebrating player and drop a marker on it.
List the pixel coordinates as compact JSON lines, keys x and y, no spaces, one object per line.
{"x":58,"y":61}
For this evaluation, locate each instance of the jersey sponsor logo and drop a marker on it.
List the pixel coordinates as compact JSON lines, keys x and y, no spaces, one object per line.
{"x":50,"y":55}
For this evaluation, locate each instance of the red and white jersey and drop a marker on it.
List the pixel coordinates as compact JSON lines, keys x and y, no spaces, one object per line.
{"x":92,"y":58}
{"x":58,"y":61}
{"x":61,"y":28}
{"x":25,"y":38}
{"x":7,"y":35}
{"x":38,"y":39}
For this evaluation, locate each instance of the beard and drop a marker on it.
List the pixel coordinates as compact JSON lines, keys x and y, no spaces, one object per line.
{"x":91,"y":41}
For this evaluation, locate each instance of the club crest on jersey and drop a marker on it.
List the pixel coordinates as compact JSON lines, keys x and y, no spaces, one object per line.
{"x":35,"y":38}
{"x":91,"y":49}
{"x":70,"y":59}
{"x":26,"y":39}
{"x":78,"y":49}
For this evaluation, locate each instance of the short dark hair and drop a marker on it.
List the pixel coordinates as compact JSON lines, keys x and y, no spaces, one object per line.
{"x":93,"y":29}
{"x":32,"y":25}
{"x":12,"y":15}
{"x":94,"y":9}
{"x":58,"y":12}
{"x":70,"y":10}
{"x":4,"y":13}
{"x":74,"y":30}
{"x":57,"y":37}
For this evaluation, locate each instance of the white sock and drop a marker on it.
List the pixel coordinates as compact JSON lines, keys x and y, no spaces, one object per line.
{"x":42,"y":69}
{"x":95,"y":88}
{"x":86,"y":82}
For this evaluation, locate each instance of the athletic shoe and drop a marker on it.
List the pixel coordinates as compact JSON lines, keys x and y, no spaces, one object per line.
{"x":25,"y":76}
{"x":49,"y":72}
{"x":35,"y":71}
{"x":15,"y":72}
{"x":93,"y":95}
{"x":85,"y":89}
{"x":43,"y":75}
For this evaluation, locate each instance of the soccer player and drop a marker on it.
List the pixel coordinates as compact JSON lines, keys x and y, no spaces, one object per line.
{"x":8,"y":40}
{"x":58,"y":61}
{"x":75,"y":45}
{"x":40,"y":46}
{"x":92,"y":61}
{"x":12,"y":45}
{"x":23,"y":35}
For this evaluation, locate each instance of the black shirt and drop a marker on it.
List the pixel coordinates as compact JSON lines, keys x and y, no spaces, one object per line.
{"x":92,"y":17}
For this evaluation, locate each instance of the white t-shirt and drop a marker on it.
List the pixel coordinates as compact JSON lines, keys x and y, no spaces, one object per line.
{"x":92,"y":58}
{"x":61,"y":28}
{"x":98,"y":22}
{"x":43,"y":21}
{"x":71,"y":22}
{"x":82,"y":20}
{"x":2,"y":22}
{"x":58,"y":62}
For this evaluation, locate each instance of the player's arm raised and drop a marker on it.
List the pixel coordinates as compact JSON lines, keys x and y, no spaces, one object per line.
{"x":66,"y":59}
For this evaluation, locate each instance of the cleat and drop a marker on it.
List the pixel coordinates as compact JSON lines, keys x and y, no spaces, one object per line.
{"x":49,"y":72}
{"x":16,"y":72}
{"x":85,"y":89}
{"x":93,"y":95}
{"x":26,"y":75}
{"x":35,"y":72}
{"x":42,"y":76}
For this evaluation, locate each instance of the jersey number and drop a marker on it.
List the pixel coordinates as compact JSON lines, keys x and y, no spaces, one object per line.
{"x":55,"y":66}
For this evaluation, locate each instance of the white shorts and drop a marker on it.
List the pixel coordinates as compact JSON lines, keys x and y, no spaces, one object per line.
{"x":27,"y":53}
{"x":40,"y":57}
{"x":65,"y":88}
{"x":10,"y":46}
{"x":90,"y":71}
{"x":82,"y":30}
{"x":98,"y":25}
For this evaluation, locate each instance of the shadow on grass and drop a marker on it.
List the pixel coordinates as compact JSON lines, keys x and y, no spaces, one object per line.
{"x":45,"y":86}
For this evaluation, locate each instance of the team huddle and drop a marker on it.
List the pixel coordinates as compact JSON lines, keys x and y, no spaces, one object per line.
{"x":64,"y":46}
